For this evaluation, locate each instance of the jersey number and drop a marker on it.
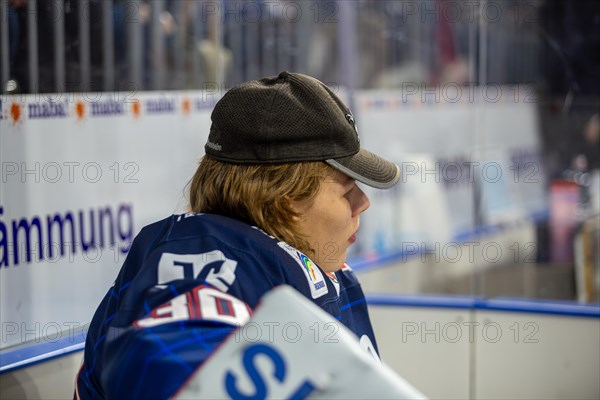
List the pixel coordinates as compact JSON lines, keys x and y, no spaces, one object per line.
{"x":202,"y":303}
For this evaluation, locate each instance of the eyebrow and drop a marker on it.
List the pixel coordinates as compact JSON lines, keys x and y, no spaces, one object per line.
{"x":343,"y":179}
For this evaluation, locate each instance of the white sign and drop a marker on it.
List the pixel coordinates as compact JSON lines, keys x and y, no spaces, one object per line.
{"x":291,"y":349}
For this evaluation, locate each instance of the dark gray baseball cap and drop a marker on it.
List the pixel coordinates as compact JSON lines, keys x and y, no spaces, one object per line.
{"x":293,"y":118}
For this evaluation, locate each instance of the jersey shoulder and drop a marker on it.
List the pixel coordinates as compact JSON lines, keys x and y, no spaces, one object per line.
{"x":183,"y":251}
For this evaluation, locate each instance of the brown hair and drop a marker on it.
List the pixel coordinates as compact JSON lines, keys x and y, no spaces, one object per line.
{"x":258,"y":194}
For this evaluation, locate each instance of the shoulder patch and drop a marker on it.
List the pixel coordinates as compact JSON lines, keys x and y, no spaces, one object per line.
{"x":316,"y":280}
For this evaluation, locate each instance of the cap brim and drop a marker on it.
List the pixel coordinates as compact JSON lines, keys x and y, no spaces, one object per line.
{"x":368,"y":168}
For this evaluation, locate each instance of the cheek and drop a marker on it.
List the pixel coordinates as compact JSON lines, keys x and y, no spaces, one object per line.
{"x":330,"y":220}
{"x":341,"y":220}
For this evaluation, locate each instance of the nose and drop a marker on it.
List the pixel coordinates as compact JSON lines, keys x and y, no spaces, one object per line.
{"x":360,"y":202}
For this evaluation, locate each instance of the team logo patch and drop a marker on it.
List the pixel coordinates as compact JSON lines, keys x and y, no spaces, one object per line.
{"x":311,"y":270}
{"x":316,"y":280}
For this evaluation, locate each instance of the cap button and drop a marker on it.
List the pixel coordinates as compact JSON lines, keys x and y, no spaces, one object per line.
{"x":284,"y":74}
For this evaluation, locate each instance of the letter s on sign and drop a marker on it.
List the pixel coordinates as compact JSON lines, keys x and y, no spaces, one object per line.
{"x":261,"y":390}
{"x":253,"y":373}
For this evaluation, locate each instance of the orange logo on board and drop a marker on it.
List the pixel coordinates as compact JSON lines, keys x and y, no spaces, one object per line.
{"x":80,"y":109}
{"x":186,"y":106}
{"x":136,"y":108}
{"x":15,"y":112}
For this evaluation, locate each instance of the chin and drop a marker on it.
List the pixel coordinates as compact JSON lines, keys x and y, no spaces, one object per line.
{"x":331,"y":268}
{"x":338,"y":266}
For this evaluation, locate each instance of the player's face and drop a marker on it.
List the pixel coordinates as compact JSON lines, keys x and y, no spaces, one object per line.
{"x":330,"y":223}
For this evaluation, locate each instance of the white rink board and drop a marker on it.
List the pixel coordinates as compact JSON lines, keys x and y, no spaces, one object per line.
{"x":478,"y":354}
{"x":542,"y":356}
{"x":116,"y":158}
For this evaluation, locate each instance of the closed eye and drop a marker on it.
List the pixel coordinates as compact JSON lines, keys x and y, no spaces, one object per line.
{"x":350,"y":189}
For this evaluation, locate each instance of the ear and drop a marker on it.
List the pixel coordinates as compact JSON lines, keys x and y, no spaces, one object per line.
{"x":299,"y":207}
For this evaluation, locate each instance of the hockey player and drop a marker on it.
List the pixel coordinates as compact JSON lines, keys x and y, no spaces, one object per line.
{"x":274,"y":201}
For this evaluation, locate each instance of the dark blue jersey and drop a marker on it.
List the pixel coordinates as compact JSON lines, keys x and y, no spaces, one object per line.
{"x":188,"y":282}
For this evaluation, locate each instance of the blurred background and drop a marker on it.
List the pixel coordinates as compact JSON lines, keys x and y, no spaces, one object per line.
{"x":490,"y":108}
